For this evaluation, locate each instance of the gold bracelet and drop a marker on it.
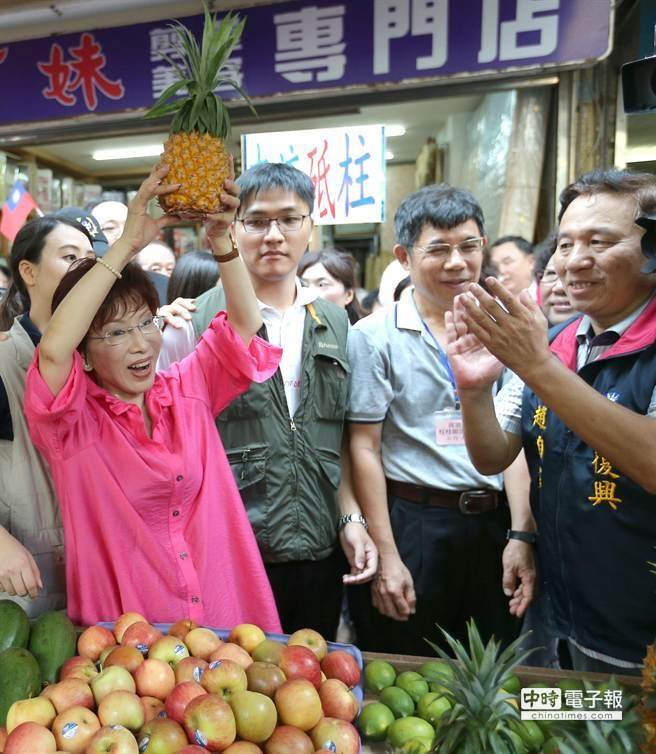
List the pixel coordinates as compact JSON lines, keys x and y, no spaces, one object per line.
{"x":109,"y":267}
{"x":230,"y":255}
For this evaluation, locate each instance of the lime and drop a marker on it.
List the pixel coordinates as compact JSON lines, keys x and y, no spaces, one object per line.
{"x":518,"y":743}
{"x":432,"y":706}
{"x":406,"y":729}
{"x":414,"y":746}
{"x":398,"y":700}
{"x":413,"y":683}
{"x":530,"y":733}
{"x":374,"y":721}
{"x":378,"y":675}
{"x":434,"y":670}
{"x":511,"y":684}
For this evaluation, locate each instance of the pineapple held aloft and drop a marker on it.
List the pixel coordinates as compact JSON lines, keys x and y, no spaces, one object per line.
{"x":196,"y":149}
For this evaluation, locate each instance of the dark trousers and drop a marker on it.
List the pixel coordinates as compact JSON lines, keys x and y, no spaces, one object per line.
{"x":455,"y":561}
{"x":308,"y":593}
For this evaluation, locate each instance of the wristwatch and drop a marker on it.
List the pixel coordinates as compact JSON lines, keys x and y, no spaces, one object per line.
{"x":233,"y":254}
{"x":352,"y":518}
{"x":530,"y":537}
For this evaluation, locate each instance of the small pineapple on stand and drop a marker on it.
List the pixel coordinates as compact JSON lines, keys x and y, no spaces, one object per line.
{"x":196,"y":150}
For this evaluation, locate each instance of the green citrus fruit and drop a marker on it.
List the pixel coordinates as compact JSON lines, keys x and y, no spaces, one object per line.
{"x":530,"y":733}
{"x":398,"y":700}
{"x":378,"y":675}
{"x":413,"y":683}
{"x":511,"y":685}
{"x":414,"y":746}
{"x":434,"y":670}
{"x":374,"y":721}
{"x":405,"y":729}
{"x":432,"y":706}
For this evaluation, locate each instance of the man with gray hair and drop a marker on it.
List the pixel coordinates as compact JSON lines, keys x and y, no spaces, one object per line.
{"x":439,"y":525}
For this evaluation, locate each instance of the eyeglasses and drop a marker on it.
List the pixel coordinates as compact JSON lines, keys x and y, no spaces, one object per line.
{"x":148,"y":328}
{"x":286,"y":224}
{"x":548,"y":277}
{"x":443,"y":250}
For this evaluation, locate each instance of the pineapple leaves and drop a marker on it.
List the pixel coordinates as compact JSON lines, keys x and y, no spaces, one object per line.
{"x":161,"y":107}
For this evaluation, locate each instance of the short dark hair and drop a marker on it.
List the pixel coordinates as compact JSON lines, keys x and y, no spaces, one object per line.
{"x":195,"y":273}
{"x":611,"y":181}
{"x":131,"y":291}
{"x":542,"y":253}
{"x":269,"y":176}
{"x":521,"y":243}
{"x":341,"y":265}
{"x":441,"y":206}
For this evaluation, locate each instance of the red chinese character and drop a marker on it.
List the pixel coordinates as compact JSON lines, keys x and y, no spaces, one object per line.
{"x":58,"y":73}
{"x":89,"y":62}
{"x":319,"y":178}
{"x":4,"y":51}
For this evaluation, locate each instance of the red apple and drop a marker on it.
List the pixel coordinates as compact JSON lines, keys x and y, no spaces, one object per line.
{"x":243,"y":747}
{"x":3,"y":737}
{"x":190,"y":669}
{"x":162,"y":736}
{"x":264,"y":677}
{"x":74,"y":729}
{"x":194,"y":749}
{"x":71,"y":692}
{"x":38,"y":710}
{"x":113,"y":739}
{"x":182,"y":627}
{"x":224,"y":678}
{"x":125,"y":620}
{"x":338,"y":700}
{"x":105,"y":654}
{"x":93,"y":640}
{"x":300,"y":662}
{"x":127,"y":657}
{"x":308,"y":637}
{"x":122,"y":708}
{"x":247,"y":636}
{"x":152,"y":708}
{"x":209,"y":722}
{"x":111,"y":679}
{"x":201,"y":642}
{"x":28,"y":738}
{"x":287,"y":739}
{"x":179,"y":698}
{"x":255,"y":716}
{"x":154,"y":678}
{"x":230,"y":651}
{"x":141,"y":635}
{"x":336,"y":735}
{"x":268,"y":650}
{"x":78,"y":667}
{"x":169,"y":649}
{"x":342,"y":665}
{"x":298,"y":704}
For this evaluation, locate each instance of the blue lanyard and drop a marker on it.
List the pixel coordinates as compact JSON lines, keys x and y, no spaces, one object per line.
{"x":445,"y":363}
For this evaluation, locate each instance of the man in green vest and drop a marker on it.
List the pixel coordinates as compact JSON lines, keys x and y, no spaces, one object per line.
{"x":284,"y":437}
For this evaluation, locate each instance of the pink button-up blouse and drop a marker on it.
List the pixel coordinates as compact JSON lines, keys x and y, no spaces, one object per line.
{"x":155,"y":524}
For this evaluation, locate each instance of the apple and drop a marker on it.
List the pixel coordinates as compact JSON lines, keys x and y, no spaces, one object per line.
{"x":154,"y":678}
{"x":300,"y":662}
{"x":336,"y":735}
{"x":195,"y":749}
{"x":298,"y":704}
{"x":28,"y":738}
{"x":182,"y":627}
{"x":243,"y":747}
{"x":342,"y":665}
{"x":230,"y":651}
{"x":190,"y":669}
{"x":105,"y":654}
{"x":224,"y":678}
{"x":209,"y":722}
{"x":127,"y":657}
{"x":264,"y":677}
{"x":337,"y":700}
{"x":38,"y":710}
{"x":114,"y":739}
{"x":74,"y":728}
{"x":201,"y":642}
{"x":247,"y":636}
{"x":170,"y":649}
{"x":179,"y":698}
{"x":93,"y":640}
{"x":286,"y":739}
{"x":111,"y":679}
{"x":141,"y":635}
{"x":255,"y":716}
{"x":78,"y":667}
{"x":125,"y":620}
{"x":152,"y":707}
{"x":71,"y":692}
{"x":268,"y":651}
{"x":3,"y":737}
{"x":122,"y":708}
{"x":308,"y":637}
{"x":162,"y":736}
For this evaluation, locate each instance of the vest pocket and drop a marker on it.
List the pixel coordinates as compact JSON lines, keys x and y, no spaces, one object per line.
{"x":331,"y":385}
{"x":330,"y":465}
{"x":248,"y":465}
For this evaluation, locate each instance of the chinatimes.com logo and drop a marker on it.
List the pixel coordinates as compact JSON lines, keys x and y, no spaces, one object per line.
{"x":555,"y":704}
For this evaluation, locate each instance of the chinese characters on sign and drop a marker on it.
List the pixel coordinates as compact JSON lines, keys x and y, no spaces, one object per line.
{"x":346,"y":166}
{"x":576,"y":704}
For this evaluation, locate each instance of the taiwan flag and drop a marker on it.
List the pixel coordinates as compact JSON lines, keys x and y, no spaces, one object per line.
{"x":15,"y":210}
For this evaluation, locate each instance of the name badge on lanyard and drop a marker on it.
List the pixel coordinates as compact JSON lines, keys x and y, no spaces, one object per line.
{"x":449,"y":429}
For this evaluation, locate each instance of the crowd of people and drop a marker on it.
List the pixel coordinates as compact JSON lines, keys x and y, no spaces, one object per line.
{"x":235,"y":436}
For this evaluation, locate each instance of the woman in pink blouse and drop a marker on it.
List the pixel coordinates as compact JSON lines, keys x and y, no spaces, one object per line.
{"x":153,"y":521}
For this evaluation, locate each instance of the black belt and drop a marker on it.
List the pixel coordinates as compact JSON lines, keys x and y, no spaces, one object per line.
{"x":466,"y":501}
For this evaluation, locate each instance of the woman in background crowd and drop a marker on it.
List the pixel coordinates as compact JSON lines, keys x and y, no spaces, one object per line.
{"x":332,"y":273}
{"x":551,"y":292}
{"x":195,"y":273}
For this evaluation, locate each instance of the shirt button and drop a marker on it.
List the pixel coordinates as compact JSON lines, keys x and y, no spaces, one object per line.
{"x":176,"y":513}
{"x":179,"y":478}
{"x":195,"y":600}
{"x":183,"y":555}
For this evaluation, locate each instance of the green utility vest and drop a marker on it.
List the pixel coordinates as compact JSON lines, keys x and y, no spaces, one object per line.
{"x":288,"y":470}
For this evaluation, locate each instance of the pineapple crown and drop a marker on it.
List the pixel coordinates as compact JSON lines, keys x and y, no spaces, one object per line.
{"x":200,"y":72}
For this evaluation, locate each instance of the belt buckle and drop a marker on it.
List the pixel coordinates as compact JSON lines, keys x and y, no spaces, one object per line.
{"x":468,"y":502}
